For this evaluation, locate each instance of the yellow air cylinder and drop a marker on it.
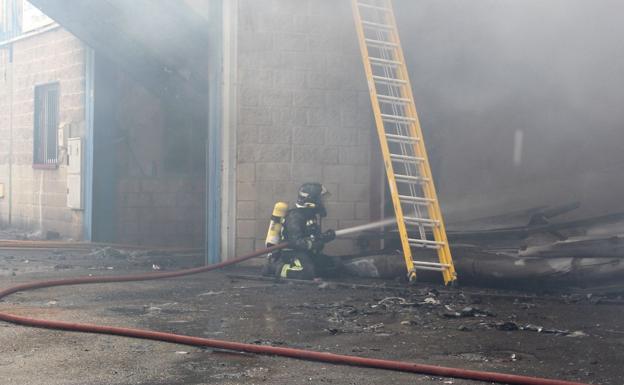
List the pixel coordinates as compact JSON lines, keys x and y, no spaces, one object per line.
{"x":275,"y":226}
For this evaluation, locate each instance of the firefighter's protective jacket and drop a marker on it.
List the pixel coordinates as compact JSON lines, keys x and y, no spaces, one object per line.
{"x":302,"y":230}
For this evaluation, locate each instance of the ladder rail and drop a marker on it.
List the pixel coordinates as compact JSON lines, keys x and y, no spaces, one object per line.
{"x":398,"y":110}
{"x":379,"y":123}
{"x":444,"y":253}
{"x":399,"y":98}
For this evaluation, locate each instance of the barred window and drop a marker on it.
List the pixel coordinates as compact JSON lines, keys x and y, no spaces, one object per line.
{"x":45,"y":149}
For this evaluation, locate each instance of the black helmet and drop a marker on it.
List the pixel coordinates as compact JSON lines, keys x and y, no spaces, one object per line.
{"x":311,"y":195}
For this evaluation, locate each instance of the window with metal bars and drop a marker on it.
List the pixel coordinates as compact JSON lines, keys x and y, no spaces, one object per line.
{"x":45,"y":148}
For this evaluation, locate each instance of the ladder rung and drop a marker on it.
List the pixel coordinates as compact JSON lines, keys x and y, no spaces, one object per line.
{"x":381,"y":43}
{"x":379,"y":60}
{"x":401,"y":139}
{"x":397,"y":118}
{"x":410,"y":178}
{"x":377,"y":25}
{"x":425,"y":243}
{"x":410,"y":199}
{"x":421,"y":221}
{"x":434,"y":264}
{"x":386,"y":96}
{"x":405,"y":158}
{"x":376,"y":7}
{"x":431,"y":268}
{"x":394,"y":104}
{"x":383,"y":79}
{"x":393,"y":99}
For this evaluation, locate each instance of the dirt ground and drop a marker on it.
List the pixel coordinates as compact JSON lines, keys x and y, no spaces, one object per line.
{"x":567,"y":337}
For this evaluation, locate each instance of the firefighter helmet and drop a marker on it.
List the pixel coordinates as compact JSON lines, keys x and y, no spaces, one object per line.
{"x":311,"y":195}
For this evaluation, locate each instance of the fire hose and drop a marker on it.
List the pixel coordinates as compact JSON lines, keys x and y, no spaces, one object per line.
{"x":302,"y":354}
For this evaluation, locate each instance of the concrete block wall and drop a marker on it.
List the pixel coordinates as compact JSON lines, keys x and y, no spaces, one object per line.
{"x":155,"y":207}
{"x":161,"y":211}
{"x":303,"y":114}
{"x":39,"y":195}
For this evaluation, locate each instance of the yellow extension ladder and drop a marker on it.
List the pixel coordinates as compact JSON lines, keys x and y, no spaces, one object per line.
{"x":410,"y":181}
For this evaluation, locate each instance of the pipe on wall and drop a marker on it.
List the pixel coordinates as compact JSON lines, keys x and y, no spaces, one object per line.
{"x":11,"y":99}
{"x":212,"y":216}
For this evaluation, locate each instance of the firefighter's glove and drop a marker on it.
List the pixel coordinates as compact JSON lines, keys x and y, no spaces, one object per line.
{"x":328,"y":236}
{"x":315,"y":244}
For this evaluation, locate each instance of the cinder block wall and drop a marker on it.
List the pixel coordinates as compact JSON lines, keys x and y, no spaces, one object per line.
{"x":39,"y":196}
{"x":303,"y":114}
{"x":161,"y":211}
{"x":155,"y":206}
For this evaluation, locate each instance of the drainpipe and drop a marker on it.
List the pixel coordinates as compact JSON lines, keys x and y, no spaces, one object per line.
{"x":87,"y":216}
{"x":11,"y":91}
{"x":213,"y":145}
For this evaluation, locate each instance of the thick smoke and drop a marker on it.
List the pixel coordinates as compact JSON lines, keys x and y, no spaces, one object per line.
{"x":521,"y":101}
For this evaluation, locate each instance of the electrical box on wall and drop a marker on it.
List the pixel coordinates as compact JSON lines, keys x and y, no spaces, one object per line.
{"x":74,"y":173}
{"x":61,"y":137}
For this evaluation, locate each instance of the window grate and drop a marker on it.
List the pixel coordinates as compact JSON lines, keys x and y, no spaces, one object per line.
{"x":45,"y":147}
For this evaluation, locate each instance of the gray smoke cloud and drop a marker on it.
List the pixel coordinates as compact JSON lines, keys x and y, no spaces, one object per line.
{"x":521,"y":101}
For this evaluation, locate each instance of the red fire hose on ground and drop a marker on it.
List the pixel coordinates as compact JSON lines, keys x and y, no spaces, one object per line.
{"x":269,"y":350}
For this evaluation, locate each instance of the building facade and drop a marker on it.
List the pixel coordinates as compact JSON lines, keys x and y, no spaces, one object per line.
{"x":302,"y":114}
{"x":190,"y":139}
{"x":293,"y":110}
{"x":42,"y":107}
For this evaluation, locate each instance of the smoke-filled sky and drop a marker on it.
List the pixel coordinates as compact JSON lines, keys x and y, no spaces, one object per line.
{"x":550,"y":74}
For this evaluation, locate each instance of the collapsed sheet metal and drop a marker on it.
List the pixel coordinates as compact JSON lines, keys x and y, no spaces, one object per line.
{"x":475,"y":266}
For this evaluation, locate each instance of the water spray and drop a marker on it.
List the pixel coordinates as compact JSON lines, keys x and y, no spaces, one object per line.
{"x":368,"y":226}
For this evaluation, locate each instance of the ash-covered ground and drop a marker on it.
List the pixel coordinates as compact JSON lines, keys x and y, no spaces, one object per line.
{"x":572,"y":337}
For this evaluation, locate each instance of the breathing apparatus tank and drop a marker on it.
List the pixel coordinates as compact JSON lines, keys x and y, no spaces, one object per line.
{"x":274,"y":234}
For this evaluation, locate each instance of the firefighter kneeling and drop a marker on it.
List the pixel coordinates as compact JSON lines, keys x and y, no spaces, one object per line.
{"x":301,"y":228}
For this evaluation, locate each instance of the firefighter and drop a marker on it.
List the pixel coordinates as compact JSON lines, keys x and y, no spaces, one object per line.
{"x":303,"y":259}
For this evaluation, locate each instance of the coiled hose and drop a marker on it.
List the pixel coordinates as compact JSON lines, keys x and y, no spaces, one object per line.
{"x":302,"y":354}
